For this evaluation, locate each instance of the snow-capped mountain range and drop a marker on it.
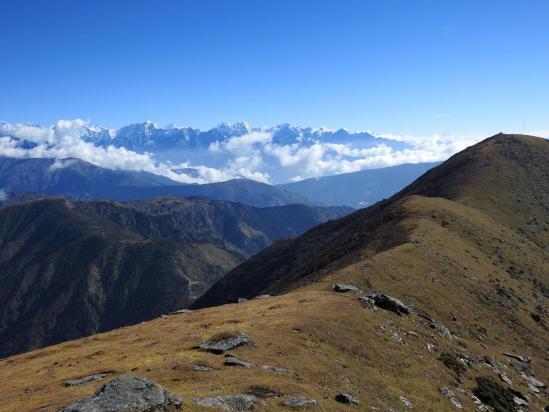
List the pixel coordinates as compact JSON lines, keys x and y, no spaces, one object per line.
{"x":278,"y":154}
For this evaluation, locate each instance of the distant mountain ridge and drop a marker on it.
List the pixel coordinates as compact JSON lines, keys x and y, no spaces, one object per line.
{"x":81,"y":180}
{"x":359,"y":189}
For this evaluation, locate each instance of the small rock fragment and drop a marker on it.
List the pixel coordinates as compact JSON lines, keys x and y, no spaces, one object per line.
{"x":237,"y":362}
{"x":342,"y":288}
{"x":262,"y":296}
{"x":503,"y":376}
{"x":276,"y":369}
{"x":407,"y":402}
{"x":202,"y":368}
{"x":346,"y":398}
{"x":180,"y":311}
{"x":241,"y":300}
{"x":299,"y":402}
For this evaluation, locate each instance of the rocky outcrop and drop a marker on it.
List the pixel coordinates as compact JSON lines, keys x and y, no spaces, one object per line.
{"x":87,"y":379}
{"x":128,"y":393}
{"x":390,"y":303}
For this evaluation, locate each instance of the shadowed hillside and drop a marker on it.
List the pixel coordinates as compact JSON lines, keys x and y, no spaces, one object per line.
{"x":69,"y":269}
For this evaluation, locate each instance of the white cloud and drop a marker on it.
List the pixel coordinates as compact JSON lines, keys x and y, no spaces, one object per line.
{"x":3,"y":195}
{"x":63,"y":140}
{"x":254,"y":155}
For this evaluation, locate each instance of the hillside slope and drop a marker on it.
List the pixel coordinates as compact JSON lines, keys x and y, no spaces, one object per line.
{"x":69,"y":269}
{"x":359,"y":189}
{"x":469,"y":267}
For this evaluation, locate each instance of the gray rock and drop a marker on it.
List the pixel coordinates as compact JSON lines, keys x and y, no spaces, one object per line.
{"x":407,"y":402}
{"x":524,"y":359}
{"x":87,"y":379}
{"x":262,"y":296}
{"x":450,"y":395}
{"x":503,"y":376}
{"x":342,"y":288}
{"x":237,"y":362}
{"x":180,"y":311}
{"x":225,"y":343}
{"x":346,"y":398}
{"x":519,"y":401}
{"x":230,"y":403}
{"x":202,"y":368}
{"x":128,"y":393}
{"x":299,"y":402}
{"x":387,"y":302}
{"x":276,"y":369}
{"x":241,"y":300}
{"x":367,"y":302}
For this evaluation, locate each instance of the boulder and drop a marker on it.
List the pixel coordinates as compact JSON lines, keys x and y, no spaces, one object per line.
{"x":346,"y":398}
{"x":299,"y":402}
{"x":230,"y":403}
{"x":237,"y":362}
{"x":387,"y":302}
{"x":128,"y":393}
{"x":367,"y":302}
{"x":342,"y":288}
{"x":225,"y":341}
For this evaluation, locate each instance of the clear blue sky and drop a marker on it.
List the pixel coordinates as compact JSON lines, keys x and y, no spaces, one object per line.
{"x":390,"y":66}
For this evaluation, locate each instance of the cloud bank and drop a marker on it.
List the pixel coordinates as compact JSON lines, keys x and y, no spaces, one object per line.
{"x":257,"y":155}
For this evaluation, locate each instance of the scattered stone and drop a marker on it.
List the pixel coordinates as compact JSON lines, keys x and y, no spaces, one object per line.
{"x":237,"y":362}
{"x":519,"y":401}
{"x":225,"y":341}
{"x":127,"y":393}
{"x":299,"y":402}
{"x":534,"y":383}
{"x":261,"y":391}
{"x":389,"y":303}
{"x":342,"y":288}
{"x":87,"y":379}
{"x":346,"y":398}
{"x":180,"y":311}
{"x":503,"y":376}
{"x":450,"y":395}
{"x":202,"y":368}
{"x":524,"y":359}
{"x":230,"y":403}
{"x":407,"y":402}
{"x":441,"y":329}
{"x":276,"y":369}
{"x":367,"y":302}
{"x":490,"y":362}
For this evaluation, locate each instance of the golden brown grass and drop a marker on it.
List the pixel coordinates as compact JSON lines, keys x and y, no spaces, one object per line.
{"x":330,"y":343}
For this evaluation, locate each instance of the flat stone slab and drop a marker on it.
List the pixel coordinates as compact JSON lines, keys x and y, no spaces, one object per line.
{"x":390,"y":303}
{"x":87,"y":379}
{"x":223,"y":343}
{"x":237,"y":362}
{"x":128,"y":393}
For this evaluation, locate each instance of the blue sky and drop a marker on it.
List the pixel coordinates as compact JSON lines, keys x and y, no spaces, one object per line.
{"x":417,"y":67}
